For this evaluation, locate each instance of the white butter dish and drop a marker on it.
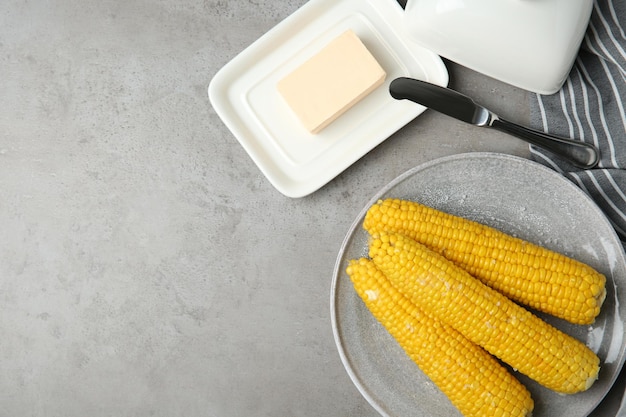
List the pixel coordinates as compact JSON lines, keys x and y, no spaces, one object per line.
{"x":531,"y":44}
{"x":296,"y":162}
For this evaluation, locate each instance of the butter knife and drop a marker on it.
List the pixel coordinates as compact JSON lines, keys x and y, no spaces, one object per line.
{"x":461,"y":107}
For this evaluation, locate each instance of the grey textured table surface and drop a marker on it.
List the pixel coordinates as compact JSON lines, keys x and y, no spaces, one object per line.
{"x":147,"y":268}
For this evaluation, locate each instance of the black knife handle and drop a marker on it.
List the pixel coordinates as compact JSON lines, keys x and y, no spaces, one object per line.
{"x":580,"y":154}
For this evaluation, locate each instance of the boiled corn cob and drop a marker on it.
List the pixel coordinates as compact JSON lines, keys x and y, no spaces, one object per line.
{"x":529,"y":274}
{"x":485,"y":316}
{"x":471,"y":378}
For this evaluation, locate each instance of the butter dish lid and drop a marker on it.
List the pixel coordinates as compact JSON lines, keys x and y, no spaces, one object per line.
{"x":531,"y":44}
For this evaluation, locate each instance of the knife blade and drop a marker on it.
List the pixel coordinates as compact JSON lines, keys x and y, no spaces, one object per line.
{"x":462,"y":107}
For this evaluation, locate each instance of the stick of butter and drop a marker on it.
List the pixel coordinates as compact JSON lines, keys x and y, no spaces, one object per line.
{"x":332,"y":81}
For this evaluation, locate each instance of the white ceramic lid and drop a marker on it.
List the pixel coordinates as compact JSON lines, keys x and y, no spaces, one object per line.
{"x":531,"y":44}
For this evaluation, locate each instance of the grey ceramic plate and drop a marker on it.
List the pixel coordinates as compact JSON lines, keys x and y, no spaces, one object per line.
{"x":519,"y":197}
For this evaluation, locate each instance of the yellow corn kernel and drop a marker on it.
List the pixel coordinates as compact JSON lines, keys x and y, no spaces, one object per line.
{"x":485,"y":316}
{"x":525,"y":272}
{"x":474,"y":381}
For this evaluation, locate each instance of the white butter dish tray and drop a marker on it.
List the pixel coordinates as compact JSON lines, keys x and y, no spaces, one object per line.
{"x":296,"y":162}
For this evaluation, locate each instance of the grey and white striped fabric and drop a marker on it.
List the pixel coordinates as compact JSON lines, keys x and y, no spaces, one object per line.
{"x":591,"y":107}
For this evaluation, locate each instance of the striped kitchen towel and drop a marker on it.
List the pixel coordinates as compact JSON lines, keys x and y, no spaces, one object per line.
{"x":591,"y":107}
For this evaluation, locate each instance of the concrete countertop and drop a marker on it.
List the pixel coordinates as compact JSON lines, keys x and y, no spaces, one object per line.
{"x":147,"y":268}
